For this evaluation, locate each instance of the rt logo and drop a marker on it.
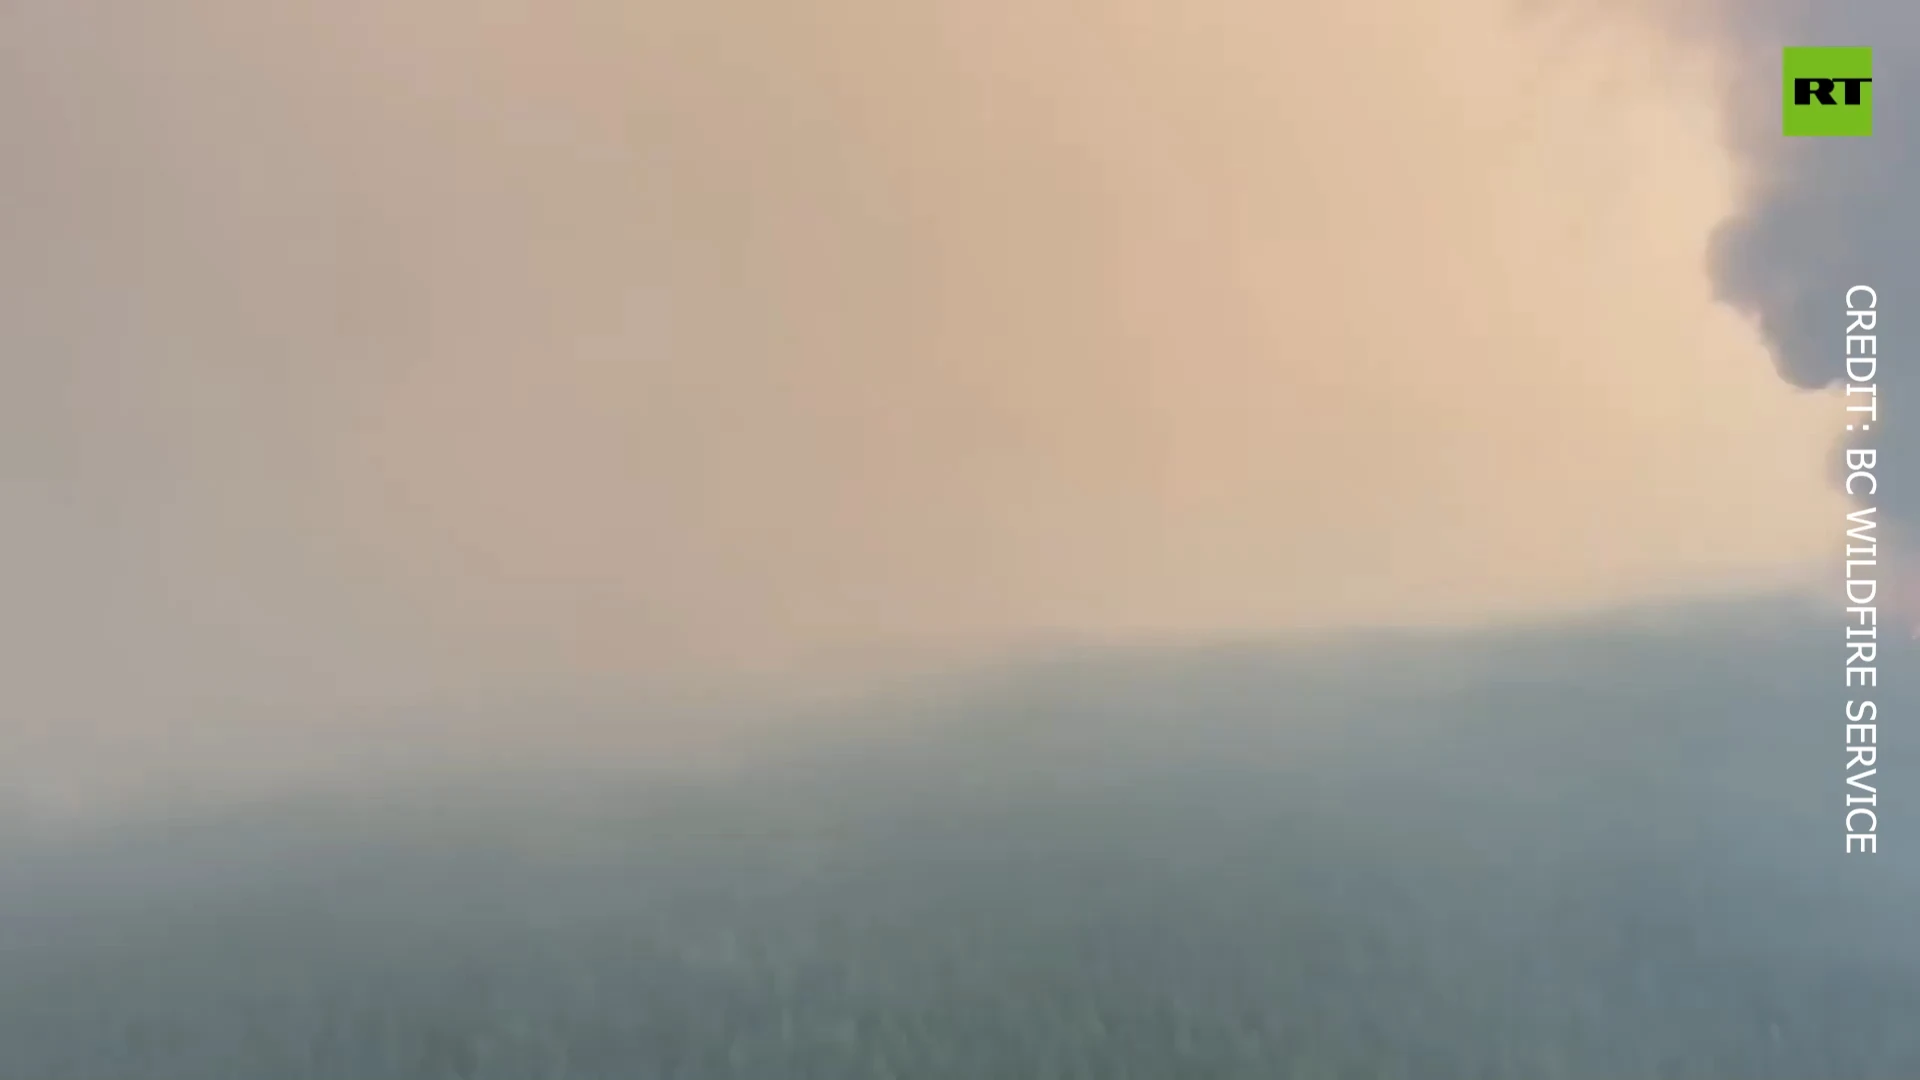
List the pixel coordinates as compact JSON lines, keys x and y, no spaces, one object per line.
{"x":1826,"y":91}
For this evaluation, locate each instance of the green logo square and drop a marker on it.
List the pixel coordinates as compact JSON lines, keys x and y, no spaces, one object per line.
{"x":1826,"y":91}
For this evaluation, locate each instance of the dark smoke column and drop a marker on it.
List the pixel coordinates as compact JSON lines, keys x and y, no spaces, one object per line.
{"x":1825,"y":214}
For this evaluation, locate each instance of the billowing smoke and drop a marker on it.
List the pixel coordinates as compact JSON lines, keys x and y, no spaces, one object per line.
{"x":1825,"y":214}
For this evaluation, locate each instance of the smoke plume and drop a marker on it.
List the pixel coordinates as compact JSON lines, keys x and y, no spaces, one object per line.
{"x":1824,"y":214}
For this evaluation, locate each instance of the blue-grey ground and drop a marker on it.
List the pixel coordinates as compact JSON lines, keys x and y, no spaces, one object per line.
{"x":1604,"y":851}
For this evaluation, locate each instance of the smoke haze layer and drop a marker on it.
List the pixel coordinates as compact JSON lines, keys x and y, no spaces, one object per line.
{"x":361,"y":359}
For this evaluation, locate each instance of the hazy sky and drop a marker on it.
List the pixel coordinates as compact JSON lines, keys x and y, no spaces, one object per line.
{"x":358,"y":353}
